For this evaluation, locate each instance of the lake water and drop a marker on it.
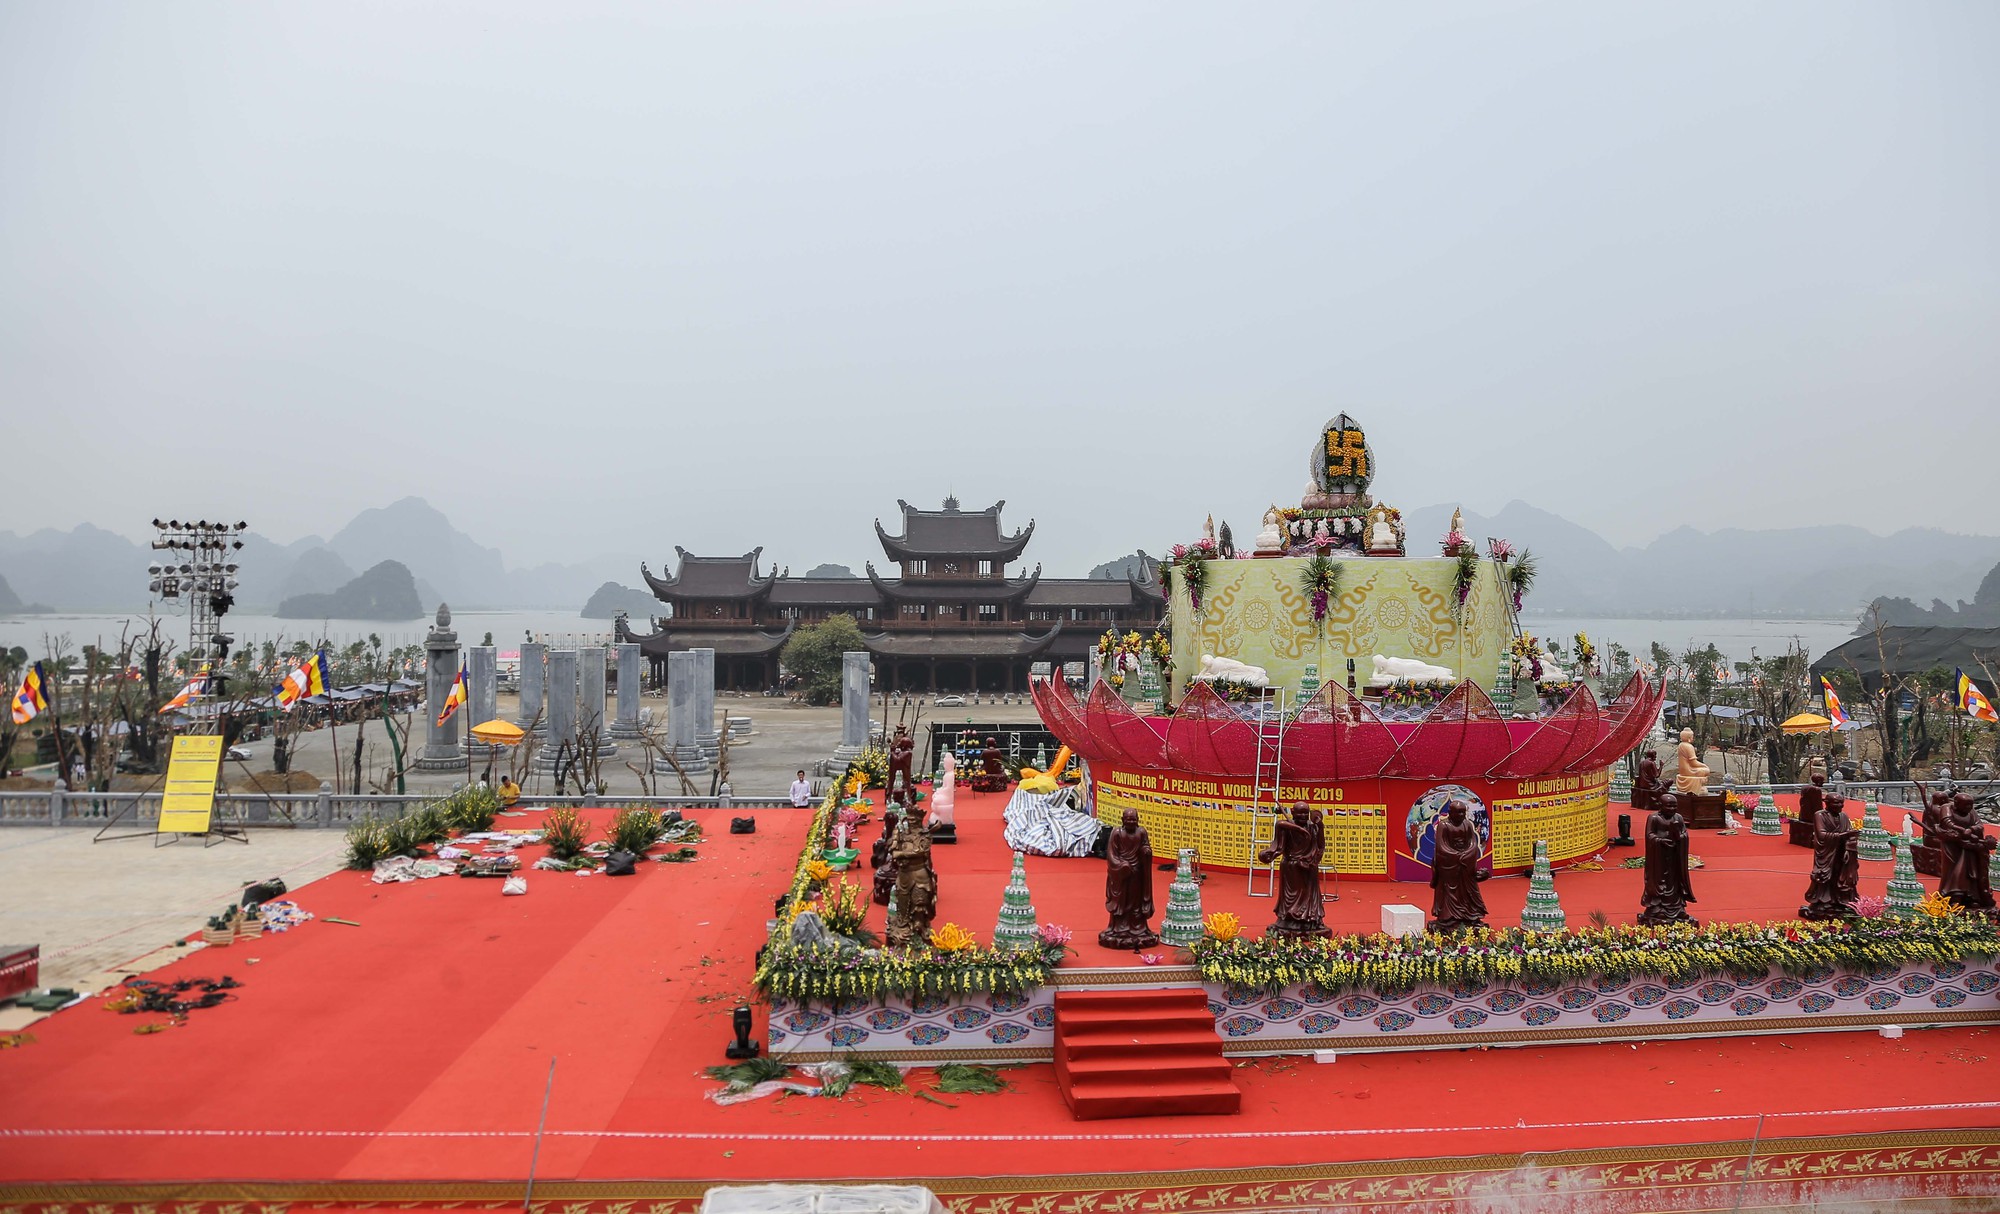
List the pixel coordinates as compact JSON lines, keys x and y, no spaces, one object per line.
{"x":1736,"y":638}
{"x":508,"y":629}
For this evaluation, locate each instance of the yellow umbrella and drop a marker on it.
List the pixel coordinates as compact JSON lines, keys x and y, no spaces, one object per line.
{"x":498,"y":733}
{"x":1806,"y":722}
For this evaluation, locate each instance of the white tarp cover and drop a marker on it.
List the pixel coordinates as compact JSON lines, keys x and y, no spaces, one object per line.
{"x":820,"y":1199}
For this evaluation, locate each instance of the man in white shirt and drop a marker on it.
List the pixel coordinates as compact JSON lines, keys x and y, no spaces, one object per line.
{"x":801,"y":792}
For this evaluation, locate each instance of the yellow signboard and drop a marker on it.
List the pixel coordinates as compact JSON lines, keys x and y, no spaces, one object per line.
{"x":190,"y":794}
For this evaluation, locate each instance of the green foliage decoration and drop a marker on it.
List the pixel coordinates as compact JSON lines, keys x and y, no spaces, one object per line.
{"x":1389,"y":965}
{"x":471,"y":810}
{"x":634,"y":830}
{"x":565,"y":832}
{"x":367,"y":841}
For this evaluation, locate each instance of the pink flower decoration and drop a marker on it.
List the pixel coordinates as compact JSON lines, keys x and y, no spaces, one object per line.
{"x":1149,"y":958}
{"x":1054,"y":933}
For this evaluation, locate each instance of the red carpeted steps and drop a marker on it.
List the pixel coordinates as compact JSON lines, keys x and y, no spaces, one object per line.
{"x":1141,"y":1054}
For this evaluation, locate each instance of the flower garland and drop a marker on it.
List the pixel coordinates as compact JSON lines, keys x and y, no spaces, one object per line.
{"x":1189,"y":558}
{"x":1416,"y":693}
{"x":1319,"y":579}
{"x":1392,"y":965}
{"x":1235,"y":691}
{"x":1526,"y":650}
{"x":1521,"y":576}
{"x":873,"y":767}
{"x":825,"y":972}
{"x":1324,"y":529}
{"x":1461,"y":577}
{"x":1586,"y":654}
{"x":1122,"y":653}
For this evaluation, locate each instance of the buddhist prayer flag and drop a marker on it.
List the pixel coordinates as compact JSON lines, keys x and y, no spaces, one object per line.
{"x":196,"y":686}
{"x":308,"y":680}
{"x":1832,"y":703}
{"x":1973,"y":701}
{"x":30,"y":701}
{"x":456,"y":699}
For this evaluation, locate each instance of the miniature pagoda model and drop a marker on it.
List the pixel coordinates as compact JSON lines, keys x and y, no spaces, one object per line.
{"x":951,"y":619}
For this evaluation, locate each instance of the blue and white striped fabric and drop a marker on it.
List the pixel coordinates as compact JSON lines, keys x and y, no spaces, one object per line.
{"x":1044,"y":824}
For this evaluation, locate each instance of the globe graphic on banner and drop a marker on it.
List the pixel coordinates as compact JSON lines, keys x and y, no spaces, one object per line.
{"x":1421,"y":827}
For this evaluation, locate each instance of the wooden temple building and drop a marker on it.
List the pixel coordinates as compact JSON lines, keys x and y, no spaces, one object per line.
{"x":951,"y":619}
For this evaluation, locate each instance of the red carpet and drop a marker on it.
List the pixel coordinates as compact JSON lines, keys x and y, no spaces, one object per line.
{"x":1140,"y":1054}
{"x":412,"y":1052}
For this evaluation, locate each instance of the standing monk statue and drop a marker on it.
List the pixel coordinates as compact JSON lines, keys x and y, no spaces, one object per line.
{"x":901,"y":749}
{"x":1648,"y":782}
{"x":1966,"y":879}
{"x":1128,"y":886}
{"x":1667,"y":891}
{"x":1693,"y":774}
{"x":1836,"y":866}
{"x":1456,"y":903}
{"x":878,"y":856}
{"x":1811,"y":798}
{"x":1298,"y":843}
{"x":916,"y":884}
{"x":1937,"y":806}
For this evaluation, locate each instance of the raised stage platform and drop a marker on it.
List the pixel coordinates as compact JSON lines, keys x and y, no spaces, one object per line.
{"x":404,"y":1061}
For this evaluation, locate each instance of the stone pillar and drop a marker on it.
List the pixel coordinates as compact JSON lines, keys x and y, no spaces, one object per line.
{"x":854,"y":707}
{"x":441,"y":744}
{"x":704,"y":708}
{"x":561,"y":707}
{"x":482,"y":678}
{"x":626,"y":724}
{"x":590,"y":700}
{"x":682,"y":735}
{"x":534,"y":688}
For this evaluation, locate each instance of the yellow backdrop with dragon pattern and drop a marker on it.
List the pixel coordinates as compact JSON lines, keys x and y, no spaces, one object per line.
{"x":1400,"y":607}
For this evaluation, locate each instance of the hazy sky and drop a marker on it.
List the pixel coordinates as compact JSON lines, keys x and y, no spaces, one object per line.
{"x":605,"y":278}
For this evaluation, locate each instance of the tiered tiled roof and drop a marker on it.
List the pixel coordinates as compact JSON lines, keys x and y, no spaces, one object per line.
{"x":973,"y":534}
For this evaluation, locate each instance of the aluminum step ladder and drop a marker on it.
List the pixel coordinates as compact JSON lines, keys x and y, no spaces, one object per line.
{"x":1265,"y":804}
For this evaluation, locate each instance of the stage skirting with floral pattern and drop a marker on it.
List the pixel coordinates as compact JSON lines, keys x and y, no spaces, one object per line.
{"x":1021,"y":1027}
{"x":1545,"y":1013}
{"x":1017,"y":1027}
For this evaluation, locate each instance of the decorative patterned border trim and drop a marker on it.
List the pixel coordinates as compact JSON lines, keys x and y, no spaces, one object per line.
{"x":1608,"y":1032}
{"x":1161,"y":976}
{"x":920,"y":1056}
{"x":1944,"y":1170}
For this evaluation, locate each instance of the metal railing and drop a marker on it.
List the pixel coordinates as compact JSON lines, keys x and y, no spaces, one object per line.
{"x":322,"y":810}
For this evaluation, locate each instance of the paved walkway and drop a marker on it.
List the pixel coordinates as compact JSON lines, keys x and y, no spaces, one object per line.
{"x":98,"y":908}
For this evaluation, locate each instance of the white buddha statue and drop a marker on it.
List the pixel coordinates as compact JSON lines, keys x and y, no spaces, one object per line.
{"x":1381,"y":537}
{"x":1213,"y":668}
{"x":944,"y":798}
{"x":1272,"y":537}
{"x":1388,"y":670}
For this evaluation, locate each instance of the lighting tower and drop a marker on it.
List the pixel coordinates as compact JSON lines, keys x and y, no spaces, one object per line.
{"x":200,"y":568}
